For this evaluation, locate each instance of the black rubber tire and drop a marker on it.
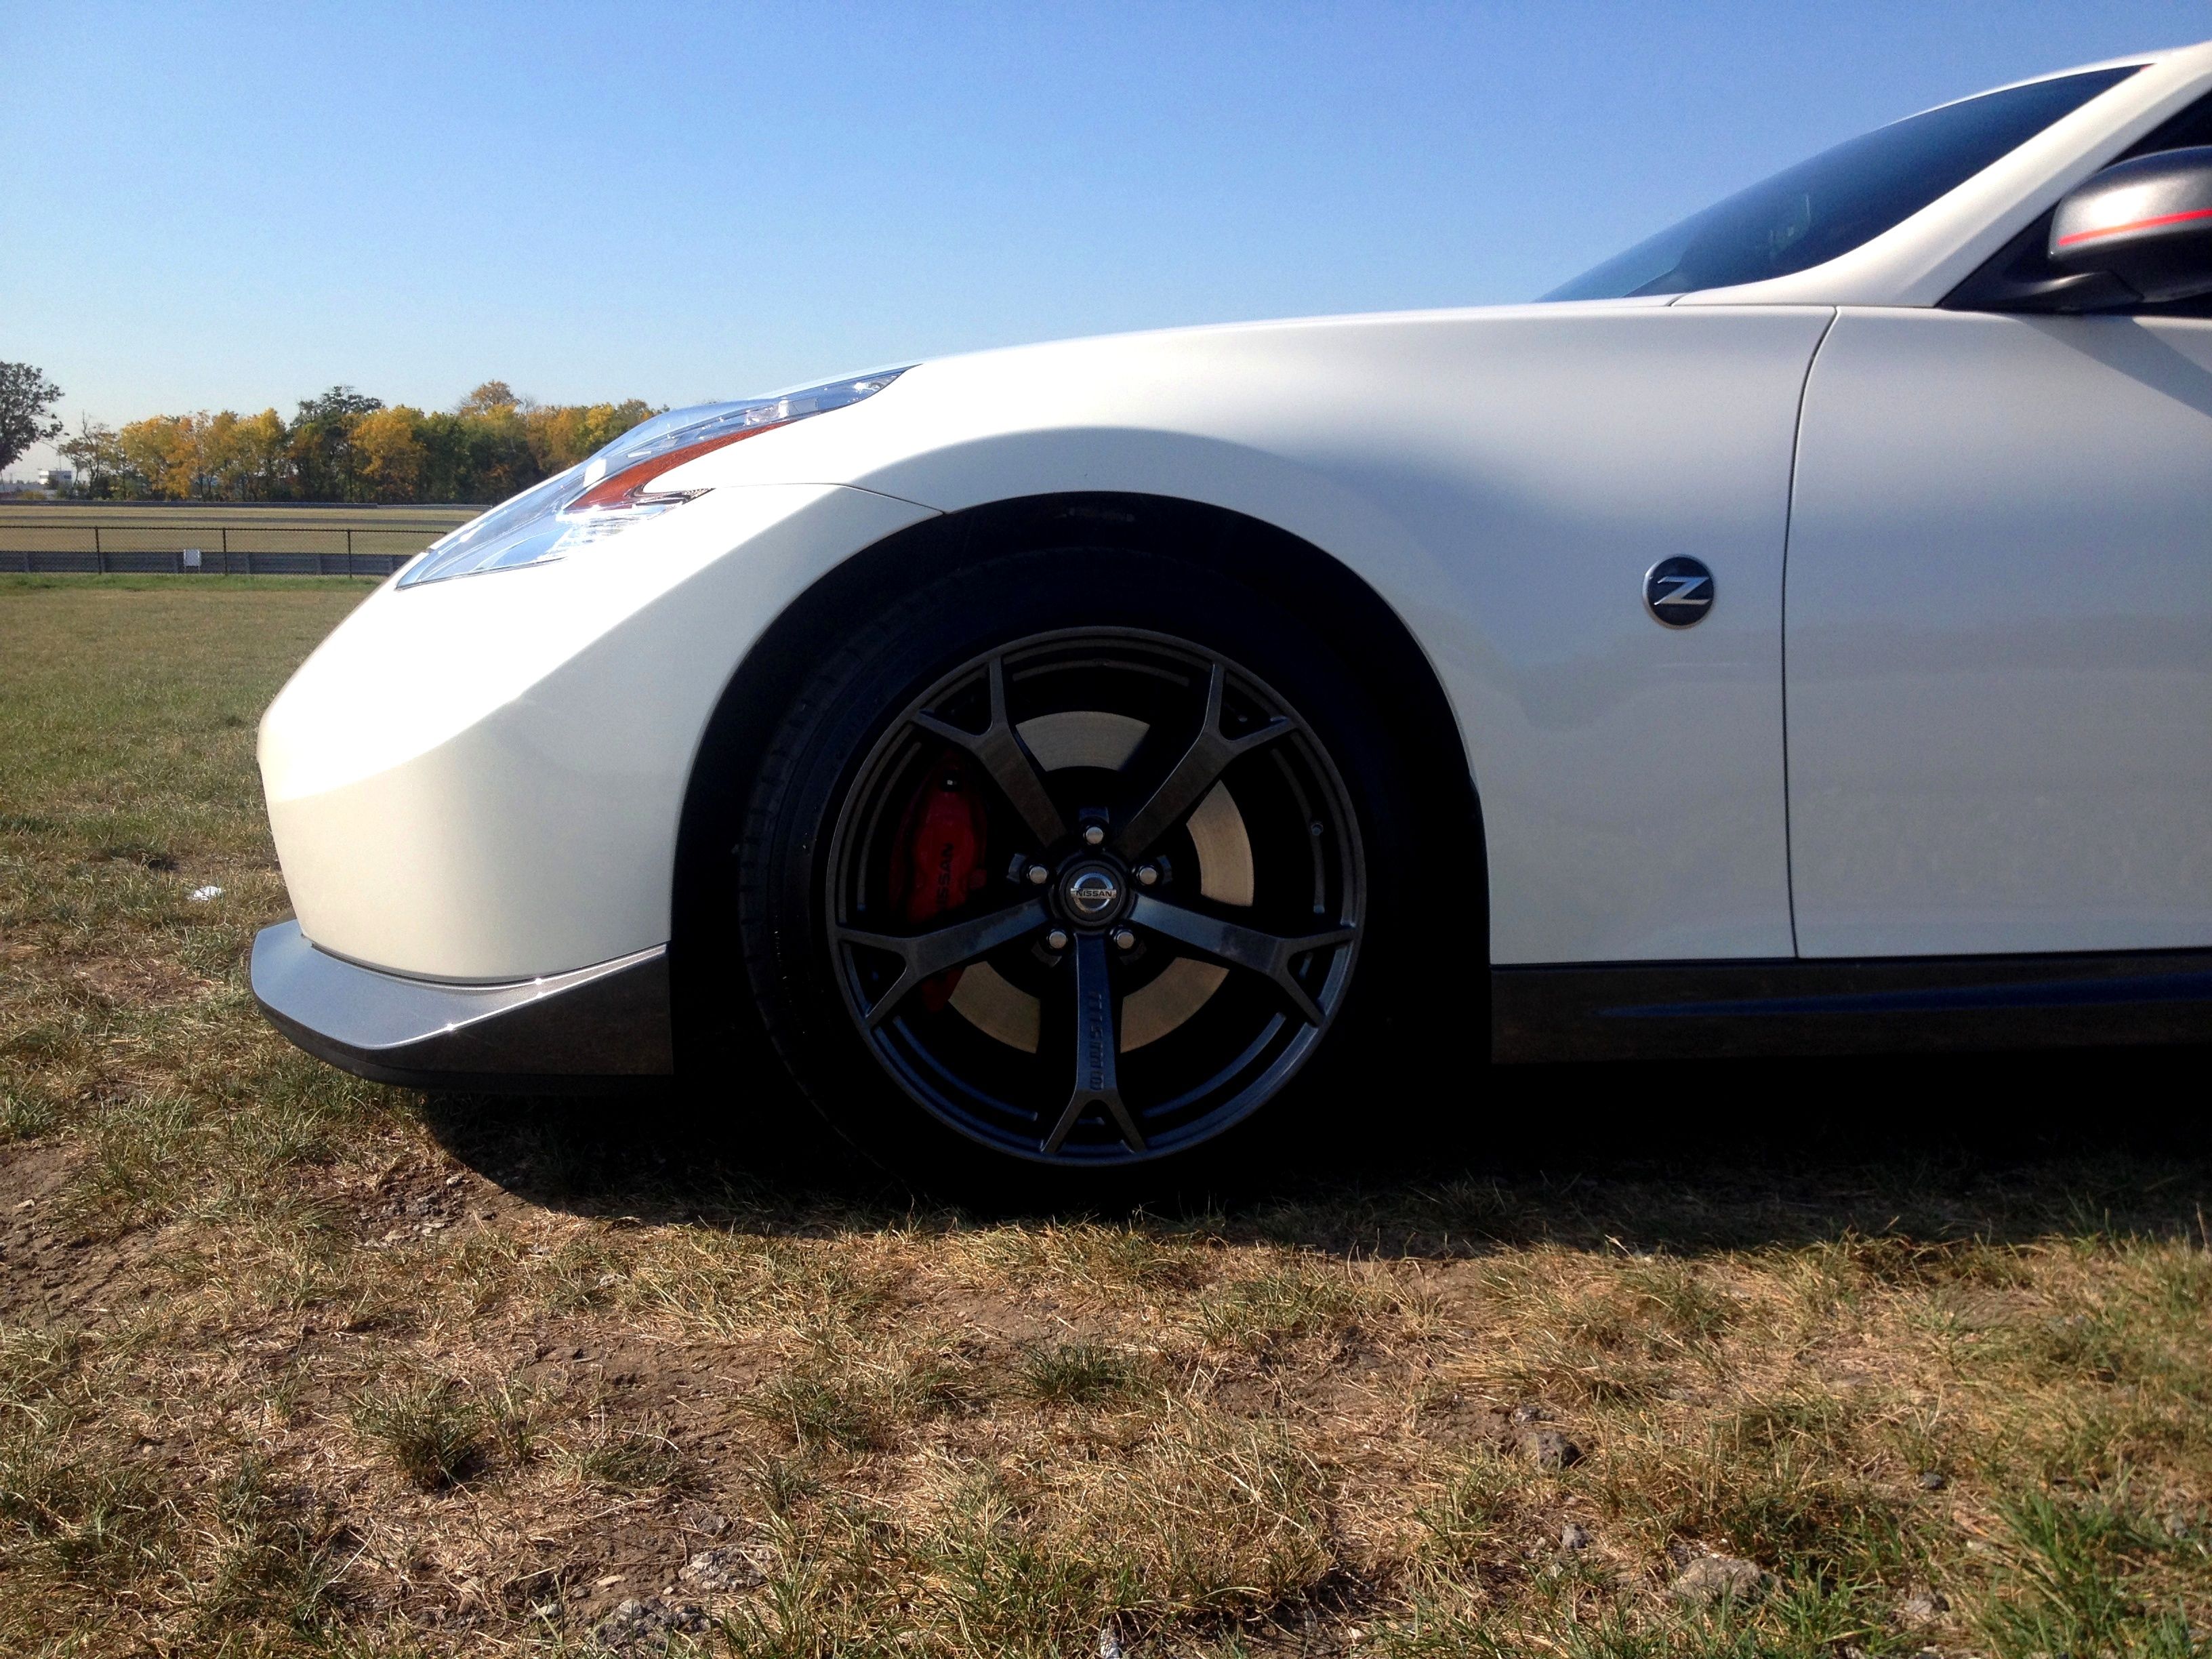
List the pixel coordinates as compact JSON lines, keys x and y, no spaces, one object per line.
{"x":894,"y":656}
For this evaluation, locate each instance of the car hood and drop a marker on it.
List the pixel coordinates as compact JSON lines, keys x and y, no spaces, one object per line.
{"x":1231,"y":381}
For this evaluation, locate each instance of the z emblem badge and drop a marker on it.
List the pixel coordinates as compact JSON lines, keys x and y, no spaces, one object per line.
{"x":1678,"y":592}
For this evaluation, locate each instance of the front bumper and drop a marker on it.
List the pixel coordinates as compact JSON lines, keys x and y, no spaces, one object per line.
{"x":587,"y":1029}
{"x":483,"y":779}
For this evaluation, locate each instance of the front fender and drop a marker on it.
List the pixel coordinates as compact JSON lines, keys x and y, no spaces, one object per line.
{"x":1502,"y":480}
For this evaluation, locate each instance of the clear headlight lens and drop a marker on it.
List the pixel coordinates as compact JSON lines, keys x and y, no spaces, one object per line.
{"x":611,"y":490}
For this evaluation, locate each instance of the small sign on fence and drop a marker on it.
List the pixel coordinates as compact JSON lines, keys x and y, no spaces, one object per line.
{"x":192,"y":558}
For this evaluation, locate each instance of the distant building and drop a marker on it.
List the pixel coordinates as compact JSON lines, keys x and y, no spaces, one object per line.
{"x":56,"y":478}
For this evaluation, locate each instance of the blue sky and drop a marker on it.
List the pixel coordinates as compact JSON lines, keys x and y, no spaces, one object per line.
{"x":234,"y":206}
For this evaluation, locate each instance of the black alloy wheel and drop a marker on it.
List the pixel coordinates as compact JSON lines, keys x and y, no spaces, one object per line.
{"x":1089,"y":895}
{"x":1173,"y":922}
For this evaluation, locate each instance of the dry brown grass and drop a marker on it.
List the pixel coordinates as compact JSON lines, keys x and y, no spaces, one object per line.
{"x":289,"y":1363}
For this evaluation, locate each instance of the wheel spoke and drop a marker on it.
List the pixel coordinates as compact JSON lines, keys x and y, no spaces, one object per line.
{"x":1188,"y":780}
{"x":1268,"y":954}
{"x":1002,"y":753}
{"x":1097,"y":1045}
{"x":925,"y":956}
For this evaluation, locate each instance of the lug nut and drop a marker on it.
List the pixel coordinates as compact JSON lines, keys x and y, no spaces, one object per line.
{"x":1093,"y":834}
{"x":1056,"y":940}
{"x":1039,"y":875}
{"x":1148,"y":875}
{"x":1124,"y":939}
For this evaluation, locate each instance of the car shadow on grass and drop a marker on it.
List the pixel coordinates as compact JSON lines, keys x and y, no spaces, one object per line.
{"x":1683,"y":1157}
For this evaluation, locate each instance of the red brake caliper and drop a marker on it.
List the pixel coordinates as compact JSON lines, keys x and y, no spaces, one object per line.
{"x":937,"y":862}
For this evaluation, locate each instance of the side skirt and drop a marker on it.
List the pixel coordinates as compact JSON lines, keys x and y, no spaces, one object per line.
{"x":1627,"y":1011}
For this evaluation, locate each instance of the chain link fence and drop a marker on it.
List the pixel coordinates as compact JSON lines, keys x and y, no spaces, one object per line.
{"x":61,"y":544}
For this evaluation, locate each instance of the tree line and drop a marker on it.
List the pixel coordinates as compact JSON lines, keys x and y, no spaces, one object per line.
{"x":344,"y":447}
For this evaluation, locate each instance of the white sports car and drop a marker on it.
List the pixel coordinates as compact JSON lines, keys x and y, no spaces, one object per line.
{"x":1796,"y":633}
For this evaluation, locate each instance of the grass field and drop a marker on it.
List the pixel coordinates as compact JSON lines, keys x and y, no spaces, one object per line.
{"x":1700,"y":1360}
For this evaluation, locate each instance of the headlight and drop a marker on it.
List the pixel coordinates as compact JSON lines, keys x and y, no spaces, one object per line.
{"x":613,"y":489}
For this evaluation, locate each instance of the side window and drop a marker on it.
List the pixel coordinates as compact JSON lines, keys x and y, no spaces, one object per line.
{"x":1843,"y":198}
{"x":2023,"y":263}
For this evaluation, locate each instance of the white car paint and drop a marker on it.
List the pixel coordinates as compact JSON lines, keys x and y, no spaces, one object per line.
{"x":1447,"y":458}
{"x":1999,"y":632}
{"x":487,"y":787}
{"x":481,"y":779}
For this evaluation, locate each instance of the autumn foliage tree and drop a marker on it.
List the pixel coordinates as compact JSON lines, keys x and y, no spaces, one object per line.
{"x":344,"y":447}
{"x":96,"y":453}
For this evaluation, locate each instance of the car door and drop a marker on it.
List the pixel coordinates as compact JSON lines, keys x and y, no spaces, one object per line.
{"x":1998,"y":637}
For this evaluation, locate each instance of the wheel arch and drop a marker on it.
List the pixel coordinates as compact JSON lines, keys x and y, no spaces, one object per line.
{"x":1321,"y":585}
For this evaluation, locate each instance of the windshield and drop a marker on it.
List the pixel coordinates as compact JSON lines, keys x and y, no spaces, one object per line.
{"x":1847,"y":196}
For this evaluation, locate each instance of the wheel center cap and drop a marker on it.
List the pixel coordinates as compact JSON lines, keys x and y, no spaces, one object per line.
{"x":1092,"y":893}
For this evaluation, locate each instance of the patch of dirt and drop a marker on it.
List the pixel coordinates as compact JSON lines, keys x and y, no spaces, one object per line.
{"x":51,"y":1271}
{"x":138,"y":981}
{"x":1012,"y":1322}
{"x":1459,"y":1420}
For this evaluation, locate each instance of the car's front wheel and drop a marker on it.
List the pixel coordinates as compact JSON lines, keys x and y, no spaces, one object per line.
{"x":1080,"y":856}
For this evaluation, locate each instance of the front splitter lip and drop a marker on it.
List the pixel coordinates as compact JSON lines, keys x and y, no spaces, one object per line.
{"x":589,"y":1029}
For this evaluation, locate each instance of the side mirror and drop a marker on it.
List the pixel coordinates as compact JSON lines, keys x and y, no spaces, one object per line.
{"x":2145,"y":222}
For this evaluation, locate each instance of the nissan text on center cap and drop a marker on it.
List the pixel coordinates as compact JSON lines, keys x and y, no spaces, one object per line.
{"x":1093,"y":893}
